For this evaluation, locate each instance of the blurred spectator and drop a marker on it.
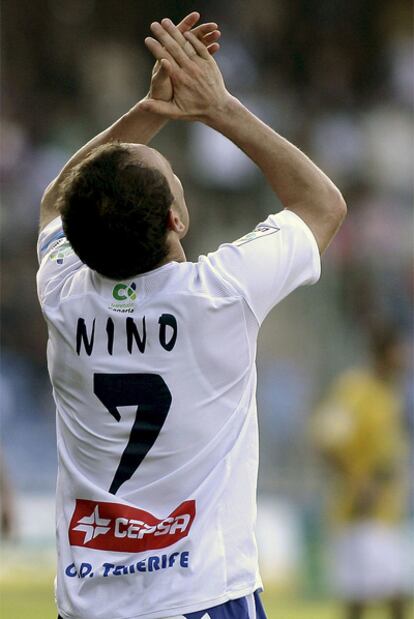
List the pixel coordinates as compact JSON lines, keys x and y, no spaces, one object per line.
{"x":7,"y":507}
{"x":359,"y":429}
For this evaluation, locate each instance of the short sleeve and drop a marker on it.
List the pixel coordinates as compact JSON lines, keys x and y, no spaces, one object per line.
{"x":57,"y":261}
{"x":270,"y":262}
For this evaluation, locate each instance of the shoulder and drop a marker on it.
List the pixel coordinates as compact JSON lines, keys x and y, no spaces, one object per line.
{"x":48,"y":208}
{"x":352,"y":380}
{"x":50,"y":235}
{"x":57,"y":262}
{"x":265,"y":265}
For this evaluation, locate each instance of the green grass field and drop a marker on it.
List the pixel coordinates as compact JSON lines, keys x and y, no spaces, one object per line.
{"x":30,"y":599}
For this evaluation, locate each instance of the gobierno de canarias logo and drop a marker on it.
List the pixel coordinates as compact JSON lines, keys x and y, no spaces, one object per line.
{"x":123,"y":292}
{"x":124,"y":297}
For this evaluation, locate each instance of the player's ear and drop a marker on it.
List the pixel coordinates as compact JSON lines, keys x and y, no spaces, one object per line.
{"x":175,"y":222}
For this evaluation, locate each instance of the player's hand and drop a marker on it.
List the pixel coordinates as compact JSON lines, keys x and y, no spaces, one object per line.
{"x":198,"y":86}
{"x":161,"y":86}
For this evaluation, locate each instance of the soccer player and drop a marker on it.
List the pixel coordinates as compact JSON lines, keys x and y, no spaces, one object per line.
{"x":152,"y":357}
{"x":359,"y":429}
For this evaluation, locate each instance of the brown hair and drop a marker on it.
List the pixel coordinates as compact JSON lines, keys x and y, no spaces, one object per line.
{"x":115,"y":211}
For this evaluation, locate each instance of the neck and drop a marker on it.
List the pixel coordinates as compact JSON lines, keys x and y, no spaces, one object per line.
{"x":175,"y":254}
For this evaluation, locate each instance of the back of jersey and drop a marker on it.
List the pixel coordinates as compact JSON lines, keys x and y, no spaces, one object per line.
{"x":154,"y":382}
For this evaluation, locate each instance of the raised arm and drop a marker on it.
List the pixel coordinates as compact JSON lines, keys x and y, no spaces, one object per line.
{"x":200,"y":94}
{"x":136,"y":126}
{"x":300,"y":185}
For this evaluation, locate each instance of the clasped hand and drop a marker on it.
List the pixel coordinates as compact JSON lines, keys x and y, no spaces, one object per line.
{"x":198,"y":89}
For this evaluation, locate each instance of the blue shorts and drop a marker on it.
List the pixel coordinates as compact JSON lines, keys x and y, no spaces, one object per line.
{"x":249,"y":607}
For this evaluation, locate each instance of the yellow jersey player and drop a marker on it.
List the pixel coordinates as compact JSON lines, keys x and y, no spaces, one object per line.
{"x":359,"y":429}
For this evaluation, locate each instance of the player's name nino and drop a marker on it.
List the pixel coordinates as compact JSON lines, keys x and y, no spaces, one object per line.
{"x":128,"y":335}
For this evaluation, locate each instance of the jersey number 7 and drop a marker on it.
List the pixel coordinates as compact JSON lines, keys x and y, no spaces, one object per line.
{"x":153,"y":400}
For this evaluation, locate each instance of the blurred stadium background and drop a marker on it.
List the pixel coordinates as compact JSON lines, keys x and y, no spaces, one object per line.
{"x":333,"y":76}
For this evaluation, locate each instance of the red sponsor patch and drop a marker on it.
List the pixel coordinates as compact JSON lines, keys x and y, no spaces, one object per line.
{"x":118,"y":527}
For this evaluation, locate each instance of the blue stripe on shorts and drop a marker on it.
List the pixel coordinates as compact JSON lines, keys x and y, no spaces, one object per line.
{"x":234,"y":609}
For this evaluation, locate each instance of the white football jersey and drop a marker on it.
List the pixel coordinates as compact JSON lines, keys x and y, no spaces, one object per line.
{"x":154,"y":380}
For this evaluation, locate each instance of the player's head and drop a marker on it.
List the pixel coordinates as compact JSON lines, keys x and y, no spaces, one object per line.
{"x":122,"y":209}
{"x":387,"y":348}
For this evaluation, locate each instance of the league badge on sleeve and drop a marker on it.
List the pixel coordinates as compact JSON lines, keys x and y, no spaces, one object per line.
{"x":61,"y":250}
{"x":259,"y":232}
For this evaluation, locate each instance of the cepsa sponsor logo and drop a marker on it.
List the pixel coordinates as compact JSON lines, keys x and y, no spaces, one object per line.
{"x":122,"y":528}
